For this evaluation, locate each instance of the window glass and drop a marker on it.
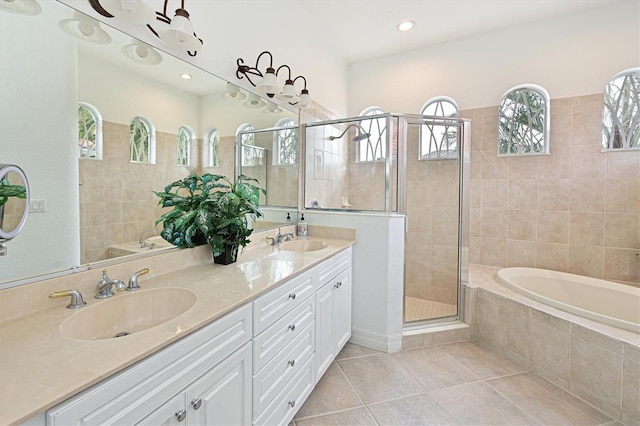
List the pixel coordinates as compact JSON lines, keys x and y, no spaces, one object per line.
{"x":212,"y":148}
{"x":439,"y":140}
{"x":142,"y":141}
{"x":621,"y":115}
{"x":89,"y":131}
{"x":250,"y":156}
{"x":523,"y":121}
{"x":184,"y":146}
{"x":286,"y":143}
{"x":374,"y":147}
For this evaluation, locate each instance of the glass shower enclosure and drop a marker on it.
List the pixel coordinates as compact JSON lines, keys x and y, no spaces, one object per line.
{"x":413,"y":165}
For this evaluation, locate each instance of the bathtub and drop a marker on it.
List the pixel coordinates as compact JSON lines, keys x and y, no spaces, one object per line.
{"x":599,"y":300}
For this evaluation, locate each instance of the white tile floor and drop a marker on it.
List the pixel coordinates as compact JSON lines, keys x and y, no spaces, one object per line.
{"x":455,"y":384}
{"x":420,"y":309}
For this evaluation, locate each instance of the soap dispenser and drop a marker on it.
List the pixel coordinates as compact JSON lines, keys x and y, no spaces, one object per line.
{"x":302,"y":227}
{"x":288,"y":220}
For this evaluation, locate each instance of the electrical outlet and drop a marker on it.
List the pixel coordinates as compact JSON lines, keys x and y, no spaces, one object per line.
{"x":38,"y":206}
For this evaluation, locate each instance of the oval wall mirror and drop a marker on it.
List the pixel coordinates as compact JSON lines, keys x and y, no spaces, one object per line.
{"x":14,"y":200}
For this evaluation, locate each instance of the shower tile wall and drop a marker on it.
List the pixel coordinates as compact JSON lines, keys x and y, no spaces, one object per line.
{"x":576,"y":210}
{"x":116,"y":196}
{"x":431,"y":247}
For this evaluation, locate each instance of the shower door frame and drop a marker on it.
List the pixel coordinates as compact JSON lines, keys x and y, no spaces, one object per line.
{"x":464,"y":162}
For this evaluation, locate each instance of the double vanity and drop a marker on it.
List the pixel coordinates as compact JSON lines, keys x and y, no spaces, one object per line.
{"x":198,"y":343}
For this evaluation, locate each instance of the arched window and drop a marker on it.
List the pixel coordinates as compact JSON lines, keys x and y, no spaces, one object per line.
{"x":212,"y":148}
{"x":184,"y":150}
{"x":439,"y":140}
{"x":250,"y":156}
{"x":621,"y":115}
{"x":523,"y":121}
{"x":89,"y":131}
{"x":285,"y":143}
{"x":374,"y":147}
{"x":142,"y":141}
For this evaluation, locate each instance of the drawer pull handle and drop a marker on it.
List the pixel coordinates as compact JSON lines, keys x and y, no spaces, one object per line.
{"x":339,"y":283}
{"x":181,"y":415}
{"x":292,"y":362}
{"x":196,"y":403}
{"x":292,"y":403}
{"x":292,"y":327}
{"x":292,"y":296}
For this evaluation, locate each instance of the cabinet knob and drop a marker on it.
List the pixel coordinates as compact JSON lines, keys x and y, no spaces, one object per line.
{"x":292,"y":403}
{"x":292,"y":362}
{"x":292,"y":296}
{"x":292,"y":327}
{"x":181,"y":415}
{"x":339,"y":283}
{"x":196,"y":403}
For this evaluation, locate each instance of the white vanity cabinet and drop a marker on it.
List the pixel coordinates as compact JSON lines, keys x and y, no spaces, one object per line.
{"x":283,"y":349}
{"x":333,"y":309}
{"x":257,"y":364}
{"x":212,"y":364}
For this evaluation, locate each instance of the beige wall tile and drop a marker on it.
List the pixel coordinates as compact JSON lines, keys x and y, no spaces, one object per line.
{"x":523,"y":167}
{"x":493,"y":252}
{"x":521,"y":253}
{"x":586,"y":260}
{"x":552,"y":256}
{"x":523,"y":225}
{"x":599,"y":386}
{"x":587,"y":195}
{"x":553,"y":194}
{"x":623,"y":164}
{"x":556,"y":165}
{"x":494,"y":224}
{"x":631,"y":391}
{"x":588,"y":162}
{"x":494,"y":167}
{"x":523,"y":194}
{"x":622,"y":231}
{"x":586,"y":228}
{"x":495,"y":193}
{"x":553,"y":226}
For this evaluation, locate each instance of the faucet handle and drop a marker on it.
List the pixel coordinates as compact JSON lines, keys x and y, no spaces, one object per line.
{"x":76,"y":298}
{"x":133,"y":281}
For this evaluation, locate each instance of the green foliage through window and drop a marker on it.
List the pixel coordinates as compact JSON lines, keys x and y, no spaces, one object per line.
{"x":523,"y":122}
{"x":621,"y":115}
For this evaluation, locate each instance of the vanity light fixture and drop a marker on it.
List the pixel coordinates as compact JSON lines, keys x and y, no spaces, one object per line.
{"x":233,"y":92}
{"x":142,"y":53}
{"x":177,"y":33}
{"x":21,"y":7}
{"x":85,"y":28}
{"x":272,"y":108}
{"x":254,"y":101}
{"x":267,"y":82}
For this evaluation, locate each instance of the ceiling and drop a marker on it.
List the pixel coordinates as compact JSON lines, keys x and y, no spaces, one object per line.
{"x":359,"y":30}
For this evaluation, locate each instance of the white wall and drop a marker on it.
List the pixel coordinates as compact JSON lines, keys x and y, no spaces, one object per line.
{"x":569,"y":56}
{"x":37,"y":132}
{"x":377,"y":275}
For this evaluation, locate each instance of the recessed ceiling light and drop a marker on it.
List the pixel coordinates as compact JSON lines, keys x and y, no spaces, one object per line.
{"x":406,"y":25}
{"x":185,"y":76}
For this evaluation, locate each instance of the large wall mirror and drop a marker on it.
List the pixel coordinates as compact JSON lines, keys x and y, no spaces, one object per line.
{"x":88,"y":206}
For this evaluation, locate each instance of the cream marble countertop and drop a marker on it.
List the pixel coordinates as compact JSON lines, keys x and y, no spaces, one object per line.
{"x":40,"y":368}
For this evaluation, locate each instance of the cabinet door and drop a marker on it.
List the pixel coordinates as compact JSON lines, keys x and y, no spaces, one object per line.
{"x":223,"y":395}
{"x":325,"y":340}
{"x":342,"y":309}
{"x":171,"y":413}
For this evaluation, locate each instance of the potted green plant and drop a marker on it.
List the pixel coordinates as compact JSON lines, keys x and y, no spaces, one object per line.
{"x":210,"y":209}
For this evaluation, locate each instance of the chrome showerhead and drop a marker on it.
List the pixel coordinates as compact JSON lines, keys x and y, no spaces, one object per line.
{"x":360,"y":136}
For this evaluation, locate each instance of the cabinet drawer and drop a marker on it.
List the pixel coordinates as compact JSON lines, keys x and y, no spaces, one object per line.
{"x":286,"y":329}
{"x":131,"y":394}
{"x":332,"y":266}
{"x":287,"y":403}
{"x":277,"y":302}
{"x":277,"y":372}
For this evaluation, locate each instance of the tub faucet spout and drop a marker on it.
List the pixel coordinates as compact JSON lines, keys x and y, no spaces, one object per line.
{"x":145,"y":232}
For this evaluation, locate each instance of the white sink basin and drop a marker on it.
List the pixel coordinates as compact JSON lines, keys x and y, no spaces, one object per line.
{"x":127,"y":313}
{"x":303,"y":245}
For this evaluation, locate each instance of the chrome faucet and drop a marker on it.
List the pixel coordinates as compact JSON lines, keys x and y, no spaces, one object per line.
{"x":279,"y":237}
{"x":145,"y":232}
{"x":133,"y":281}
{"x":76,"y":298}
{"x":105,"y":284}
